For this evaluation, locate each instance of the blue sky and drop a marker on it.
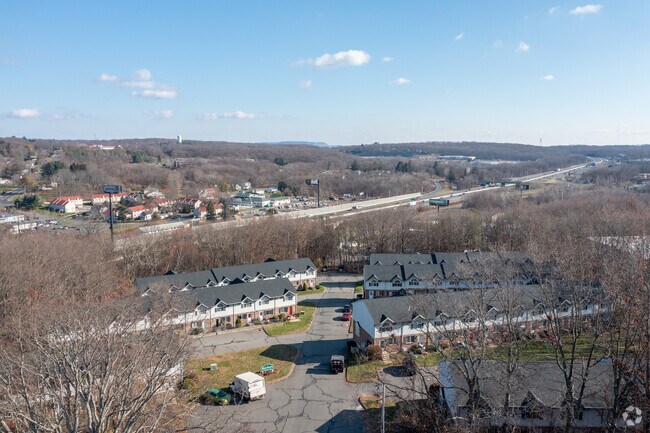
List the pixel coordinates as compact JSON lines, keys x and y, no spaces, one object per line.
{"x":344,"y":72}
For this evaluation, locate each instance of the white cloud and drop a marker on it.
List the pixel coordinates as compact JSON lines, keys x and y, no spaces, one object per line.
{"x":107,"y":78}
{"x":143,"y":74}
{"x":231,"y":115}
{"x":305,"y":84}
{"x":342,"y":58}
{"x":155,"y":93}
{"x":160,"y":114}
{"x":586,"y":9}
{"x":142,"y":79}
{"x":401,"y":81}
{"x":139,"y":84}
{"x":459,"y":36}
{"x":554,"y":10}
{"x":548,"y":77}
{"x":387,"y":59}
{"x":522,"y":47}
{"x":239,"y":115}
{"x":25,"y":113}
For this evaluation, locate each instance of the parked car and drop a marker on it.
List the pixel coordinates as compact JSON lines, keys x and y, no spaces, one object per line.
{"x":345,"y":317}
{"x":216,"y":396}
{"x":337,"y":364}
{"x":346,"y":308}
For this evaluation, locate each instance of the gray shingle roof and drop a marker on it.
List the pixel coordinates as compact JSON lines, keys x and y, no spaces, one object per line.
{"x":446,"y":265}
{"x":392,"y":259}
{"x":188,"y":300}
{"x":402,"y":309}
{"x":217,"y":275}
{"x":268,"y":269}
{"x":541,"y":381}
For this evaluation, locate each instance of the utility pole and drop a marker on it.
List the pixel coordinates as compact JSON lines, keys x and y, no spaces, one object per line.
{"x":383,"y":408}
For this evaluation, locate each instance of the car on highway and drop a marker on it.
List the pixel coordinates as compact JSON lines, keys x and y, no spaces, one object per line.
{"x":216,"y":396}
{"x":345,"y":317}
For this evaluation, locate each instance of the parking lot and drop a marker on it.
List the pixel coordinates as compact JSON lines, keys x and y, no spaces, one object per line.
{"x":312,"y":399}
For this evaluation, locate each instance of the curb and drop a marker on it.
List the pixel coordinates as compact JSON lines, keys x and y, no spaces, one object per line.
{"x":293,"y":366}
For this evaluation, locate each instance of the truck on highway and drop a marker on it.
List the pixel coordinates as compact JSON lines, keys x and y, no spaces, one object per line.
{"x":248,"y":386}
{"x":439,"y":202}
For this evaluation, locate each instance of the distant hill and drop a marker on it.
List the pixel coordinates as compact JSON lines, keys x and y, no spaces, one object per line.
{"x":304,"y":143}
{"x":494,"y":151}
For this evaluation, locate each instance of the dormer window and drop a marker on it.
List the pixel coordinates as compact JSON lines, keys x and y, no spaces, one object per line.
{"x":397,"y":283}
{"x":414,"y":282}
{"x":373,"y":283}
{"x":386,"y":327}
{"x":211,"y":284}
{"x":265,"y":301}
{"x":225,"y":281}
{"x":201,"y":309}
{"x":246,"y":278}
{"x":288,"y":296}
{"x":279,"y":274}
{"x":220,"y":307}
{"x":247,"y":303}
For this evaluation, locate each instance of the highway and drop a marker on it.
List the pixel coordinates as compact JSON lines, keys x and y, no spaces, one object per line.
{"x":358,"y":207}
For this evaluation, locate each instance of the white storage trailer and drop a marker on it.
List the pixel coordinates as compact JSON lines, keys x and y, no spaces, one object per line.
{"x":249,"y":385}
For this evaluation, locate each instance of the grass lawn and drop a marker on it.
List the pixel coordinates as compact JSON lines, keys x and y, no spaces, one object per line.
{"x":319,"y":289}
{"x":365,"y":372}
{"x":358,"y":289}
{"x":230,"y":364}
{"x":300,"y":325}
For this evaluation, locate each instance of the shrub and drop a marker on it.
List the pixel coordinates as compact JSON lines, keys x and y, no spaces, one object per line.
{"x":282,"y":317}
{"x":188,"y":384}
{"x":374,"y":353}
{"x":238,"y":322}
{"x":320,"y":287}
{"x":257,"y":322}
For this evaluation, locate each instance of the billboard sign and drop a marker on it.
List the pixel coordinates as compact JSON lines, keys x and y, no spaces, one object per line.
{"x":112,"y":189}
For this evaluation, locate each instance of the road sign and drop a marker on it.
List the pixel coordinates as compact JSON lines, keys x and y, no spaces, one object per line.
{"x":112,"y":189}
{"x":311,"y":181}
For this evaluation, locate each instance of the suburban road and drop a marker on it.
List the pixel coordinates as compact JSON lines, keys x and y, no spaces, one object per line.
{"x":311,"y":399}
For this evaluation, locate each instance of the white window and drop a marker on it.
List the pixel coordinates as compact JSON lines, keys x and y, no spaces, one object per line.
{"x":264,"y":301}
{"x":288,"y":297}
{"x":414,"y":282}
{"x":397,"y":284}
{"x":219,"y":308}
{"x":386,"y":327}
{"x":373,"y":284}
{"x":284,"y":310}
{"x":268,"y":313}
{"x":196,"y":325}
{"x":246,"y":304}
{"x":410,"y":339}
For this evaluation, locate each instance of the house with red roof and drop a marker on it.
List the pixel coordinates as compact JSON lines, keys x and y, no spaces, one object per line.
{"x":66,"y":204}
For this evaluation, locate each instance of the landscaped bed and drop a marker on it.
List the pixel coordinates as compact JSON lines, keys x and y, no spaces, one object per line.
{"x":306,"y":311}
{"x":319,"y":289}
{"x":200,"y":377}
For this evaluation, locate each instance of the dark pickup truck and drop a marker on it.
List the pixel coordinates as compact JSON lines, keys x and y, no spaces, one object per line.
{"x":337,"y":364}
